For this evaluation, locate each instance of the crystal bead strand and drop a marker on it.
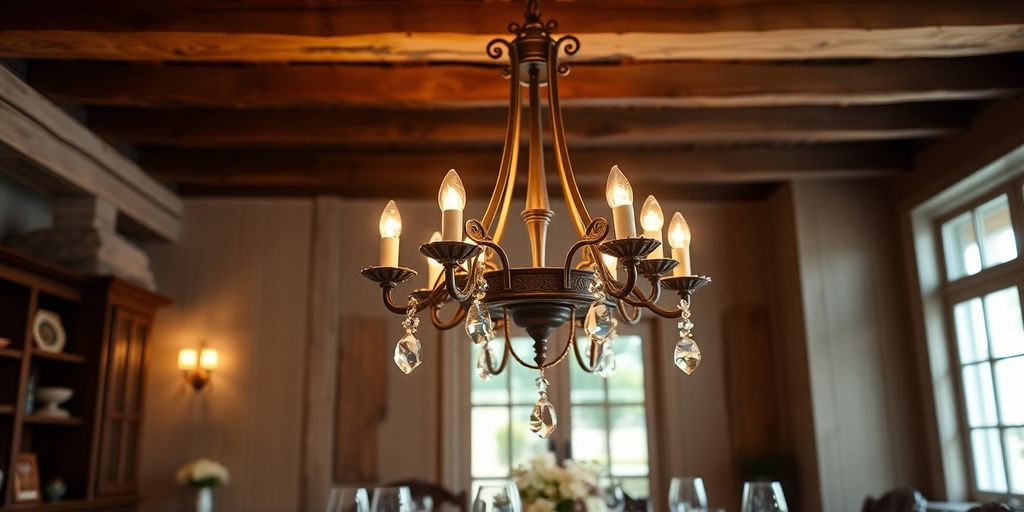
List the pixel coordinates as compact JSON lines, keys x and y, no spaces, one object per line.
{"x":479,"y":326}
{"x":542,"y":419}
{"x":599,"y":323}
{"x":407,"y":350}
{"x":687,"y":353}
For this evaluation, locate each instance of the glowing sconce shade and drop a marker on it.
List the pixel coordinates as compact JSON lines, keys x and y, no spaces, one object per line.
{"x":197,"y":365}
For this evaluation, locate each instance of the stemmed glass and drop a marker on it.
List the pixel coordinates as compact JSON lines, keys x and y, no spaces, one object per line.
{"x":498,"y":498}
{"x":348,"y":499}
{"x":614,"y":496}
{"x":391,"y":499}
{"x":763,"y":497}
{"x":686,"y":494}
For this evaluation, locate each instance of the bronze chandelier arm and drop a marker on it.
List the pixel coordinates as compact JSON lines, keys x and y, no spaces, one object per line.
{"x":595,"y":234}
{"x":629,"y":318}
{"x":664,"y":313}
{"x":507,"y":348}
{"x":436,"y":297}
{"x":573,"y":198}
{"x":610,"y":283}
{"x":476,"y":231}
{"x":435,"y":317}
{"x":561,"y":356}
{"x":590,"y":367}
{"x":460,"y":295}
{"x":501,"y":198}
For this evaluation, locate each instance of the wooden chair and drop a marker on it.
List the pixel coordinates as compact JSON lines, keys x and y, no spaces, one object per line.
{"x":438,"y":494}
{"x":900,"y":500}
{"x":992,"y":507}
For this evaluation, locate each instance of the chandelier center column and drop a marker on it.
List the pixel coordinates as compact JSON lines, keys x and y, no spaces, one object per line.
{"x":538,"y":213}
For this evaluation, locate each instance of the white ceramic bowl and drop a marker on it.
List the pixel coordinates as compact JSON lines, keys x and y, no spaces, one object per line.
{"x":54,"y":395}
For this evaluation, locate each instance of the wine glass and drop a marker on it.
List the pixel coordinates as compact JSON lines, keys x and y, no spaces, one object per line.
{"x":686,"y":494}
{"x":348,"y":499}
{"x":614,"y":496}
{"x":391,"y":499}
{"x":497,"y":498}
{"x":763,"y":497}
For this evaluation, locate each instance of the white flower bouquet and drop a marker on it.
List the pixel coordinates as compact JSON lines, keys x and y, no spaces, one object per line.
{"x":544,"y":486}
{"x":203,"y":473}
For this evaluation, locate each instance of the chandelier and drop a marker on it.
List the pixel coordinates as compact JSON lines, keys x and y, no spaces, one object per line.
{"x":474,"y":271}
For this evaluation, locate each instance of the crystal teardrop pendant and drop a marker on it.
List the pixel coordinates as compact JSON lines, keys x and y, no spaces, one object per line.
{"x":606,"y":365}
{"x":479,"y":326}
{"x":483,"y":369}
{"x":542,"y":419}
{"x":599,"y":323}
{"x":407,"y":353}
{"x":687,"y":355}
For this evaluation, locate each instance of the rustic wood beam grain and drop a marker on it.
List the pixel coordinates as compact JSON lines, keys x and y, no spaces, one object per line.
{"x":413,"y":172}
{"x":589,"y":127}
{"x":457,"y":30}
{"x":653,"y":84}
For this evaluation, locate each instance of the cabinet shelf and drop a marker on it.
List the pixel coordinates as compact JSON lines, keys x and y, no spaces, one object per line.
{"x":63,"y":357}
{"x":6,"y":409}
{"x":37,"y":419}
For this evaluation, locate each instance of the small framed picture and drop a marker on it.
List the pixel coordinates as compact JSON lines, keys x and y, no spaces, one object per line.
{"x":48,"y":331}
{"x":26,"y":478}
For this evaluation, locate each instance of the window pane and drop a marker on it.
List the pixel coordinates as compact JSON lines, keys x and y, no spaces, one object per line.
{"x":589,"y":434}
{"x":969,"y":318}
{"x":1014,"y":442}
{"x":586,"y":388}
{"x":1002,"y":309}
{"x":494,"y":391}
{"x":979,"y":395}
{"x":1010,"y":383}
{"x":628,"y":440}
{"x":626,"y":385}
{"x":525,"y":444}
{"x":996,"y":231}
{"x":636,"y":488}
{"x":490,"y":431}
{"x":524,"y":391}
{"x":961,"y":246}
{"x":988,"y":460}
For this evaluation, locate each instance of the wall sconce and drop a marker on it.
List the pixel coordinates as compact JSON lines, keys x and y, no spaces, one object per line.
{"x":197,"y":365}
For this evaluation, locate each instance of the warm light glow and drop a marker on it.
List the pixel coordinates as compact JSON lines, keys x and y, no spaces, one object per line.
{"x":611,"y":263}
{"x":208,"y":359}
{"x":452,"y":195}
{"x":390,"y":221}
{"x":187,"y":359}
{"x":436,"y":237}
{"x":618,"y":191}
{"x":651,"y":217}
{"x":678,"y":232}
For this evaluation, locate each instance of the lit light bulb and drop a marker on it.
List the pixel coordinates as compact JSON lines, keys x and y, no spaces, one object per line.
{"x":620,"y":197}
{"x":390,"y":221}
{"x":652,"y":219}
{"x":451,"y":198}
{"x":433,"y":267}
{"x":679,"y":238}
{"x":390,"y":230}
{"x":187,"y":359}
{"x":208,"y":359}
{"x":612,"y":264}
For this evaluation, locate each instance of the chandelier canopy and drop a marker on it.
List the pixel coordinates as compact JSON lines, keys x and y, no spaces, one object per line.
{"x":475,"y":271}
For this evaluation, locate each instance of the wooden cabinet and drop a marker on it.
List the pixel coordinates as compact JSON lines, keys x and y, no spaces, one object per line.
{"x":107,"y":323}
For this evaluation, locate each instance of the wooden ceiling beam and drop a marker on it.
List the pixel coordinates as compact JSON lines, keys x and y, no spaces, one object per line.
{"x":457,"y":30}
{"x":588,"y":127}
{"x":652,"y":84}
{"x":414,"y":172}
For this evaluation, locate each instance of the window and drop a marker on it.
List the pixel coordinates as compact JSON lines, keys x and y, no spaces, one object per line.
{"x":603,"y":420}
{"x":983,"y":296}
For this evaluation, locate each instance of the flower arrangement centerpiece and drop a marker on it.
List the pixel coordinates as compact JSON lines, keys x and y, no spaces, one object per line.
{"x":544,"y":486}
{"x":203,"y":474}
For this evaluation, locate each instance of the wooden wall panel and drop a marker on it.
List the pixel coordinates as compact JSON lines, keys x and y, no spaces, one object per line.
{"x":362,"y":400}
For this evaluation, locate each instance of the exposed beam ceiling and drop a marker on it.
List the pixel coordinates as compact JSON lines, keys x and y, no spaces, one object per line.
{"x":456,"y":30}
{"x":678,"y":84}
{"x":412,"y":173}
{"x":587,"y":127}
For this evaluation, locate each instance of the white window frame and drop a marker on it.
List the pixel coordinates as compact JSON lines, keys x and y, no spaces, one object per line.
{"x":955,"y":291}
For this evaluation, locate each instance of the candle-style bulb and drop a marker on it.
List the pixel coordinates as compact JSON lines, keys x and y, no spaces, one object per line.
{"x":618,"y":191}
{"x":678,"y":232}
{"x":452,"y":195}
{"x":390,"y":221}
{"x":651,"y":216}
